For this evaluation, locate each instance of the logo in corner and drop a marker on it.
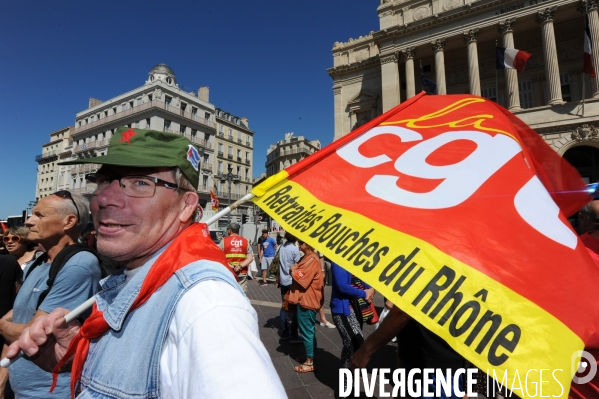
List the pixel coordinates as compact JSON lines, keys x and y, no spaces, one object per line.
{"x":193,"y":156}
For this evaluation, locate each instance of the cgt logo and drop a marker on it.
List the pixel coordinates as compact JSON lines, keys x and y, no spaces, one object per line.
{"x":584,"y":366}
{"x":460,"y":180}
{"x":236,"y":243}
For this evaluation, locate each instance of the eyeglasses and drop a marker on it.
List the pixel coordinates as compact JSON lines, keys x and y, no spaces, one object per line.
{"x":67,"y":194}
{"x":132,"y":186}
{"x":8,"y":239}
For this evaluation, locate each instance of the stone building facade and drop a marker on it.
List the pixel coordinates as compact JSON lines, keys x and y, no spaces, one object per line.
{"x":160,"y":104}
{"x":289,"y":151}
{"x":452,"y":42}
{"x":52,"y":177}
{"x":234,"y":147}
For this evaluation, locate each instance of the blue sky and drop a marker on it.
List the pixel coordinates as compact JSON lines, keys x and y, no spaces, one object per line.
{"x":266,"y":60}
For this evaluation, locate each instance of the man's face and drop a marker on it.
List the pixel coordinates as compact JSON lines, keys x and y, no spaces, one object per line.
{"x":131,"y":229}
{"x":46,"y":225}
{"x":264,"y":235}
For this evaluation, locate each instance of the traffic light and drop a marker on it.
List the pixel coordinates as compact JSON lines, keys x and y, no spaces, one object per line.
{"x":244,"y":219}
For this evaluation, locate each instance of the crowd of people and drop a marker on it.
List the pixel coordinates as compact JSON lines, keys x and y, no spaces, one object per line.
{"x":171,"y":318}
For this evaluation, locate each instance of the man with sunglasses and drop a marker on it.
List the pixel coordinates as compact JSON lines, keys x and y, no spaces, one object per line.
{"x":175,"y":323}
{"x":56,"y":223}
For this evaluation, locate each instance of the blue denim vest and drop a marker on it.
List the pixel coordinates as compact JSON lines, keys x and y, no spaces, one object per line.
{"x":124,"y":362}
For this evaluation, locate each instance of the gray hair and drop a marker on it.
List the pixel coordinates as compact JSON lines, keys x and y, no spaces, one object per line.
{"x":185,"y":185}
{"x":234,"y":227}
{"x":67,"y":207}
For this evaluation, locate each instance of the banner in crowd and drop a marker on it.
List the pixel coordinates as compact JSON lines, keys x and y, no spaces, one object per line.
{"x":214,"y":201}
{"x":456,"y":211}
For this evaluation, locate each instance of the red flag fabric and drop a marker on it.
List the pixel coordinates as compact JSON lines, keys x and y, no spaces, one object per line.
{"x":214,"y":201}
{"x":448,"y":206}
{"x":3,"y":226}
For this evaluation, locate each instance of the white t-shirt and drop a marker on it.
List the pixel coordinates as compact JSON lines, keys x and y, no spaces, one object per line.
{"x":213,"y":348}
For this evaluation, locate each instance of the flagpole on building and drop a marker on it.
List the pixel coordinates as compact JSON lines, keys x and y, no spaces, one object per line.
{"x":496,"y":83}
{"x":586,"y":10}
{"x":421,"y":75}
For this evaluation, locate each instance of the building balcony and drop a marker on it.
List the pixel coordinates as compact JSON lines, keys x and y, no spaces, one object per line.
{"x":239,"y":159}
{"x":203,"y":189}
{"x":230,"y":156}
{"x":247,"y":161}
{"x":196,"y":140}
{"x":47,"y":154}
{"x":220,"y":154}
{"x":282,"y":152}
{"x":239,"y":140}
{"x":247,"y":143}
{"x":90,"y":145}
{"x":160,"y":105}
{"x":206,"y":166}
{"x":225,"y":195}
{"x":85,"y":169}
{"x":221,"y":134}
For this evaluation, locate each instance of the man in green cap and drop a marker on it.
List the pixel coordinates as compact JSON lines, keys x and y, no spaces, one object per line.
{"x":174,"y":323}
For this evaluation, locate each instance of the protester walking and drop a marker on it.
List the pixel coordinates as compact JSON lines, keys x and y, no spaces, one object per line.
{"x":343,"y":293}
{"x":289,"y":255}
{"x":306,"y":293}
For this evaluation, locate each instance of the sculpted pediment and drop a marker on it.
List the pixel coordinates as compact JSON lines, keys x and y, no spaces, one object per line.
{"x":363,"y":97}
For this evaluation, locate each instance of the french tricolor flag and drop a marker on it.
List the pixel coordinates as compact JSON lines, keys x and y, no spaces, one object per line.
{"x":511,"y":58}
{"x":588,"y":45}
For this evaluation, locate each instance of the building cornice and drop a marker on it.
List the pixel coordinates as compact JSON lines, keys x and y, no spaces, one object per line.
{"x":173,"y":91}
{"x":342,"y":69}
{"x":385,"y":38}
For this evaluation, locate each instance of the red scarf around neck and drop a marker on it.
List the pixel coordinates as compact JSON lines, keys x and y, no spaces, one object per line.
{"x":193,"y":244}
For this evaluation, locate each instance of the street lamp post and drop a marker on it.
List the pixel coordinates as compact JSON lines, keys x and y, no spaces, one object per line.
{"x":228,"y":177}
{"x":30,"y":206}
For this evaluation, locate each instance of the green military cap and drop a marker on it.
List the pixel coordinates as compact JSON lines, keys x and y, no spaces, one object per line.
{"x":149,"y":148}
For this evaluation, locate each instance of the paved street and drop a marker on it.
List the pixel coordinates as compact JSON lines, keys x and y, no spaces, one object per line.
{"x":323,"y":383}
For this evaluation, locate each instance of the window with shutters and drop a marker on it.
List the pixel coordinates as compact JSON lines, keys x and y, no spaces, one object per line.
{"x":526,"y":94}
{"x":565,"y":83}
{"x":490,"y":93}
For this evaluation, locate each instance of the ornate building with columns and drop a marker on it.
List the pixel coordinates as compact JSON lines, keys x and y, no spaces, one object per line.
{"x":159,"y":104}
{"x":452,"y":42}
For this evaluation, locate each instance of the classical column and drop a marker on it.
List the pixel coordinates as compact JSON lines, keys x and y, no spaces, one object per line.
{"x":506,"y":28}
{"x":438,"y":46}
{"x":593,"y":17}
{"x":545,"y":19}
{"x":390,"y":81}
{"x":408,"y":55}
{"x":470,"y":38}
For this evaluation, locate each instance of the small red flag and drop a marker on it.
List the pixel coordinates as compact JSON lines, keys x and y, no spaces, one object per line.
{"x":214,"y":200}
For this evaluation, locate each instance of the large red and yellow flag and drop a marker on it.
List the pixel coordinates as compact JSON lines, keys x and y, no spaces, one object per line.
{"x":448,"y":206}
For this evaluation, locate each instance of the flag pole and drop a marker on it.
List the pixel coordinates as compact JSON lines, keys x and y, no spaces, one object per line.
{"x":421,"y":75}
{"x":496,"y":83}
{"x":72,"y":315}
{"x":586,"y":10}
